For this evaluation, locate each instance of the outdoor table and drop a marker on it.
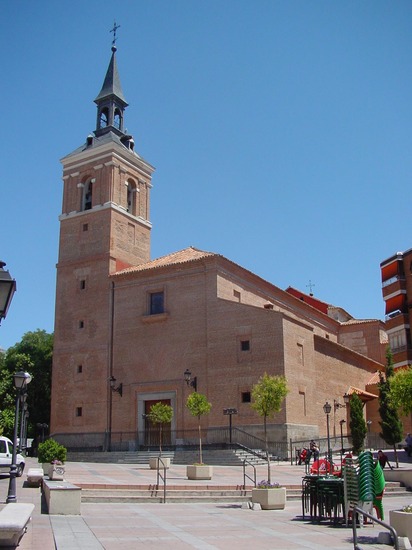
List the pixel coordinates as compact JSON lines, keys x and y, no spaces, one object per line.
{"x":323,"y":497}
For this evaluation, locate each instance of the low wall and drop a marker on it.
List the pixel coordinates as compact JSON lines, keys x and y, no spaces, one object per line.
{"x":403,"y":475}
{"x":62,"y":498}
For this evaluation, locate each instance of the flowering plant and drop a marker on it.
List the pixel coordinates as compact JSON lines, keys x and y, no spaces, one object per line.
{"x":407,"y":509}
{"x":267,"y":485}
{"x":57,"y":462}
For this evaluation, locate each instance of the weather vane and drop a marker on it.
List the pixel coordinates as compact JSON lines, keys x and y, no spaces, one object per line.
{"x":310,"y":286}
{"x":113,"y":30}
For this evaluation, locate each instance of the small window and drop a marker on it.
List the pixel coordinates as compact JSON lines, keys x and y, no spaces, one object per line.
{"x":245,"y":345}
{"x":79,"y":411}
{"x":79,"y":369}
{"x":236,"y":294}
{"x":246,"y":397}
{"x":85,"y":227}
{"x":156,"y":303}
{"x":81,"y":324}
{"x":82,"y":284}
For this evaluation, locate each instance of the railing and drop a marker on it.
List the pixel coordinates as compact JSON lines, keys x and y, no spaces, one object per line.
{"x":245,"y":475}
{"x":133,"y":441}
{"x":161,"y":477}
{"x":358,"y":510}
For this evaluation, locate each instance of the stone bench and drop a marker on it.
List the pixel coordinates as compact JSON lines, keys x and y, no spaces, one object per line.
{"x":14,"y":518}
{"x":62,"y":497}
{"x":35,"y":476}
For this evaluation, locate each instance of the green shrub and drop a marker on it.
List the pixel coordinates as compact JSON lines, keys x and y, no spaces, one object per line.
{"x":50,"y":450}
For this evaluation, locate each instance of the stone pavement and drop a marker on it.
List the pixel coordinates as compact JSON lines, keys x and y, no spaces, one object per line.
{"x":205,"y":526}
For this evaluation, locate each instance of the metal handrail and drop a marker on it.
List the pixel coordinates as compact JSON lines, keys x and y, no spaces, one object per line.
{"x":373,"y":518}
{"x":162,"y":477}
{"x":245,"y":475}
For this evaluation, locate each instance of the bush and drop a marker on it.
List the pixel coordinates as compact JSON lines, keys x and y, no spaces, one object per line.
{"x":50,"y":450}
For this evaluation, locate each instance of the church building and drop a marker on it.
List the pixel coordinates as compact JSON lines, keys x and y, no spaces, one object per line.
{"x":131,"y":331}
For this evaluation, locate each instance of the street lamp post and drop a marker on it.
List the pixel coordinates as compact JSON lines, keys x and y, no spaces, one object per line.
{"x":230,"y":412}
{"x":191,"y":382}
{"x":327,"y":407}
{"x":341,"y":422}
{"x":7,"y":289}
{"x":21,"y":379}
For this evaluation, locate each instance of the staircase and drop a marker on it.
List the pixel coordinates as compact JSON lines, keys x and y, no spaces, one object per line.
{"x":214,"y":457}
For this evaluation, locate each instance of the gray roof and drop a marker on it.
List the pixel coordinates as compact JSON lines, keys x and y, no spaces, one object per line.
{"x":111,"y":85}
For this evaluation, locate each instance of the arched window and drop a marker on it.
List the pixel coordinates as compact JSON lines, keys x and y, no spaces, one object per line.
{"x":104,"y":117}
{"x":117,"y":122}
{"x":88,"y":195}
{"x":131,"y":197}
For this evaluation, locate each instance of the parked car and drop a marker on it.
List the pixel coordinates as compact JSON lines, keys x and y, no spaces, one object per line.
{"x":6,"y":455}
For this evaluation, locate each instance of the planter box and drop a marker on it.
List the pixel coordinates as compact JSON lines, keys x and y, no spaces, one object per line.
{"x":154,"y":460}
{"x":199,"y":471}
{"x":402,"y":522}
{"x":56,"y":472}
{"x":270,"y":499}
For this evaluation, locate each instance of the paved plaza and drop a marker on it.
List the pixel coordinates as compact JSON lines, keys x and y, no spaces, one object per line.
{"x":205,"y":526}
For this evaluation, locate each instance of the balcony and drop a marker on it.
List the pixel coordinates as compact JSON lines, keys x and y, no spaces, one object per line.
{"x":396,"y":319}
{"x":392,"y":285}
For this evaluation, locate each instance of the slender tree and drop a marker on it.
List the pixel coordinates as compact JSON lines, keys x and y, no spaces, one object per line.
{"x":390,"y":424}
{"x":161,"y":414}
{"x":198,"y":406}
{"x":358,"y":428}
{"x":268,"y":395}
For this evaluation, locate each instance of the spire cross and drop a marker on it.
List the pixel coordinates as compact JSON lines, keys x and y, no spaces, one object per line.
{"x":310,"y":286}
{"x":113,"y":30}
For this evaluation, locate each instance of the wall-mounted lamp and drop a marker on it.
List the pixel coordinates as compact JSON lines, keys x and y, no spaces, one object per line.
{"x":337,"y":405}
{"x":114,"y":388}
{"x":189,"y":381}
{"x":346,"y":398}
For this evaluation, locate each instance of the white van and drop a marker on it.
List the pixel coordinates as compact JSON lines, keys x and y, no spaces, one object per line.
{"x":6,"y":455}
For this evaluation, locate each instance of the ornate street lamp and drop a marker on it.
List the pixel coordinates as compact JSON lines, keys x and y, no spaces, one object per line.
{"x":341,"y":422}
{"x":189,"y":381}
{"x":20,"y":379}
{"x":327,"y":407}
{"x":7,"y":289}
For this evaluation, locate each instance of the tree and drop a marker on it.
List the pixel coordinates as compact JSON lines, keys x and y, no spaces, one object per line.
{"x":161,"y":414}
{"x":198,"y":406}
{"x":34,"y":355}
{"x":401,"y":391}
{"x":267,"y":398}
{"x":357,"y":424}
{"x":391,"y":426}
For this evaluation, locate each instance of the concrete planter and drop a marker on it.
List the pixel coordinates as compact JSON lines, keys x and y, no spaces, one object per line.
{"x":199,"y":471}
{"x":402,"y":522}
{"x":56,"y":472}
{"x":270,"y":499}
{"x":154,"y":460}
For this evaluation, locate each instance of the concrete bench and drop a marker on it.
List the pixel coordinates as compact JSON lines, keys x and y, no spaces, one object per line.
{"x":35,"y":476}
{"x":14,"y":518}
{"x":62,"y":497}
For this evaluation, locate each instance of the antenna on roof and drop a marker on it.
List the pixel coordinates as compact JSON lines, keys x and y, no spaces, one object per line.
{"x":310,"y":286}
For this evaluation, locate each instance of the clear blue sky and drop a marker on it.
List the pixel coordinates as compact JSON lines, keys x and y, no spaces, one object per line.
{"x":281,"y":133}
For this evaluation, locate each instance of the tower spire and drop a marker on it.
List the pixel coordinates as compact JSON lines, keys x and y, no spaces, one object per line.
{"x":110,"y":101}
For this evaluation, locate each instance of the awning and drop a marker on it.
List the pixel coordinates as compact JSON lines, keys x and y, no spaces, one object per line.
{"x":391,"y":270}
{"x":395,"y":302}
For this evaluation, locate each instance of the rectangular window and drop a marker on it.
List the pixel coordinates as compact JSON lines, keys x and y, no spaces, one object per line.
{"x":79,"y":411}
{"x":300,"y":354}
{"x":246,"y":397}
{"x":236,"y":294}
{"x":82,"y":284}
{"x":81,"y":324}
{"x":245,"y":345}
{"x":79,"y":369}
{"x":85,"y":227}
{"x":156,"y":303}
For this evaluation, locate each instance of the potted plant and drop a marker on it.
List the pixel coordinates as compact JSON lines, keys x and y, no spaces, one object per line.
{"x":267,"y":397}
{"x":198,"y":406}
{"x":401,"y":521}
{"x":270,"y":496}
{"x":52,"y":455}
{"x":161,"y":414}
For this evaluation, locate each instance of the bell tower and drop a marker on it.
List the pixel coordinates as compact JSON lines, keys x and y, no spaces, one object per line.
{"x":104,"y":226}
